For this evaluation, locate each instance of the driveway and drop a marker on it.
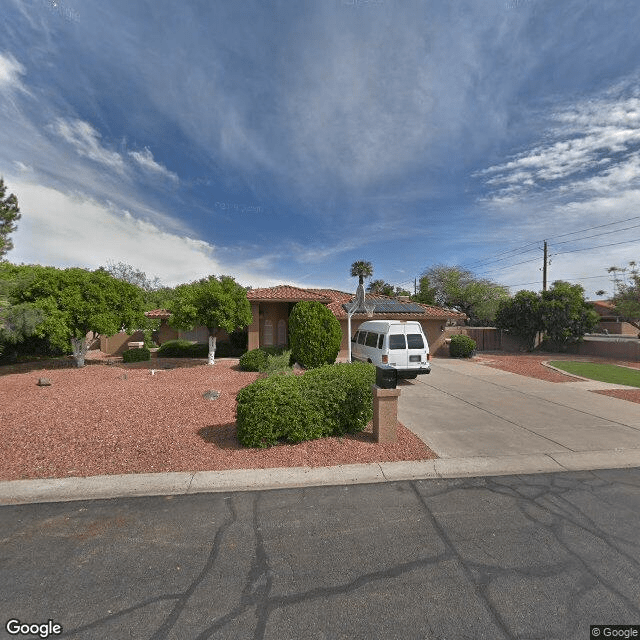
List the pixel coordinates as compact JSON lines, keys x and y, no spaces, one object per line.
{"x":468,"y":410}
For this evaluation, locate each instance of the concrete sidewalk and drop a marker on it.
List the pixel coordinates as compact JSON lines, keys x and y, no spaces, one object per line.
{"x":480,"y":421}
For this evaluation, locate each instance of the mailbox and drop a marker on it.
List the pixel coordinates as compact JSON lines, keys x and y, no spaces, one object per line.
{"x":386,"y":377}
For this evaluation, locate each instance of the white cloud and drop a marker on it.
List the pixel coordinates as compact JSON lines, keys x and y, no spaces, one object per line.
{"x":10,"y":72}
{"x":66,"y":230}
{"x":146,"y":161}
{"x":584,"y":138}
{"x":86,"y":141}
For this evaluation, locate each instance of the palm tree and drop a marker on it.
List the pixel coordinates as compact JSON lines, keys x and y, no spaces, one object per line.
{"x":362,"y":269}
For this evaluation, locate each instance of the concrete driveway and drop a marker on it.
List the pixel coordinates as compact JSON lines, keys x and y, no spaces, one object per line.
{"x":467,"y":410}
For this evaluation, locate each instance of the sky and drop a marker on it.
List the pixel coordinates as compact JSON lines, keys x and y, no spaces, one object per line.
{"x":280,"y":142}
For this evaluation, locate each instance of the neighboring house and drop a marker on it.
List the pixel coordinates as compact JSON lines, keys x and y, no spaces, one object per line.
{"x":271,"y":307}
{"x":610,"y":322}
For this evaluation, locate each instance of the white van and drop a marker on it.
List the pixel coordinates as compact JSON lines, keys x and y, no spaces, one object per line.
{"x":399,"y":343}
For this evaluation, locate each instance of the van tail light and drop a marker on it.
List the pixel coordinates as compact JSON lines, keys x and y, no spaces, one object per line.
{"x":385,"y":359}
{"x":428,"y":357}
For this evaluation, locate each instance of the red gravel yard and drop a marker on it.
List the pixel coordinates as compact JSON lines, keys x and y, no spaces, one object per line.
{"x":122,"y":419}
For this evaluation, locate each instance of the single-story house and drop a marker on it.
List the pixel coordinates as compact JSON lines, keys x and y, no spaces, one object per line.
{"x":271,"y":307}
{"x":610,"y":322}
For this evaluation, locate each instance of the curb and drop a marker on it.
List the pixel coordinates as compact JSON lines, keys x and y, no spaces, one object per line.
{"x":17,"y":492}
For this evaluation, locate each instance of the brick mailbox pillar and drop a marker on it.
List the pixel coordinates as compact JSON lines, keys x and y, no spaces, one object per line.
{"x":385,"y":414}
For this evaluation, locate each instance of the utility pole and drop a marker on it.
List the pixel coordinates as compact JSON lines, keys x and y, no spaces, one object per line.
{"x":544,"y":268}
{"x":415,"y":286}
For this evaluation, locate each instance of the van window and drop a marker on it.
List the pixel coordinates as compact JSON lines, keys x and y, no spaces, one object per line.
{"x":396,"y":341}
{"x":355,"y":337}
{"x":415,"y":341}
{"x":372,"y":339}
{"x":380,"y":340}
{"x":361,"y":336}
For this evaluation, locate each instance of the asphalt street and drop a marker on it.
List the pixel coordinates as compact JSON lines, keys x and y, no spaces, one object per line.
{"x":528,"y":556}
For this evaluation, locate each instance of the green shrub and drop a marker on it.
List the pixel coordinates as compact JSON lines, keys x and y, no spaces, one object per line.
{"x":254,"y":360}
{"x":328,"y":401}
{"x":272,"y":409}
{"x":462,"y":347}
{"x":314,"y":334}
{"x":136,"y":355}
{"x":342,"y":394}
{"x":148,"y":339}
{"x":278,"y":362}
{"x":183,"y":349}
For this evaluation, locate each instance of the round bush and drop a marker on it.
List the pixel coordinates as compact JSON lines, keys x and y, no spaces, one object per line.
{"x":273,"y":409}
{"x":314,"y":335}
{"x":342,"y":394}
{"x":461,"y":347}
{"x":183,"y":349}
{"x":254,"y":360}
{"x":136,"y":355}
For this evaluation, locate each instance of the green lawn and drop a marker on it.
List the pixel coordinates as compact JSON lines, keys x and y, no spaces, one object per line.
{"x":602,"y":372}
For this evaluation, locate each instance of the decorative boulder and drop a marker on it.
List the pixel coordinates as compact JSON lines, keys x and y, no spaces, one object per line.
{"x":44,"y":382}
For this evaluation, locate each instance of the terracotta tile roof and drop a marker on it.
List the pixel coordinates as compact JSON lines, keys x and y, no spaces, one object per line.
{"x":334,"y":300}
{"x":158,"y":314}
{"x":286,"y":292}
{"x":603,"y":307}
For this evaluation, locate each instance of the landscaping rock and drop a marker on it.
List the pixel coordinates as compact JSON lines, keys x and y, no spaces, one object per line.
{"x":44,"y":382}
{"x":211,"y":395}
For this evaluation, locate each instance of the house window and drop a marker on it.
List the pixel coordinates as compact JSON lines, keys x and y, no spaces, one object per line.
{"x":268,"y":333}
{"x":282,"y":332}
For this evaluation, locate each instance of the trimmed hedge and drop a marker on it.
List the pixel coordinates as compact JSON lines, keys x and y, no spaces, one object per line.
{"x":261,"y":359}
{"x":314,"y":334}
{"x":328,"y":401}
{"x":136,"y":355}
{"x":272,"y":409}
{"x":254,"y":360}
{"x":183,"y":349}
{"x":462,"y":346}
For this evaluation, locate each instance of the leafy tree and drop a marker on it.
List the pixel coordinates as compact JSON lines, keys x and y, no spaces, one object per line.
{"x":627,"y":291}
{"x":361,"y":269}
{"x":426,"y":293}
{"x":75,"y":302}
{"x":314,"y":334}
{"x":9,"y":215}
{"x":129,"y":273}
{"x":566,"y":316}
{"x":459,"y":289}
{"x":211,"y":302}
{"x":386,"y":289}
{"x":561,"y":313}
{"x":521,"y":316}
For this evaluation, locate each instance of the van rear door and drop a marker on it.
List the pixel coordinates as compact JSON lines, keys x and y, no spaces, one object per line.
{"x":398,"y":350}
{"x":416,"y":349}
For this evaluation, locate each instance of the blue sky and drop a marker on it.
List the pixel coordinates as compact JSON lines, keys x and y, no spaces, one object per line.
{"x":279,"y":142}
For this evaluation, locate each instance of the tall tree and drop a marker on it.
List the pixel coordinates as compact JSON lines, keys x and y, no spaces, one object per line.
{"x":129,"y":273}
{"x":213,"y":303}
{"x":384,"y":288}
{"x":426,"y":294}
{"x":76,"y":302}
{"x":361,"y":269}
{"x":521,"y":316}
{"x":9,"y":215}
{"x":458,"y":288}
{"x":566,"y":316}
{"x":626,"y":298}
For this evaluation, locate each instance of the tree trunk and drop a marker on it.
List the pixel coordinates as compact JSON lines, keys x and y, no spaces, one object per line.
{"x":212,"y":349}
{"x":79,"y":346}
